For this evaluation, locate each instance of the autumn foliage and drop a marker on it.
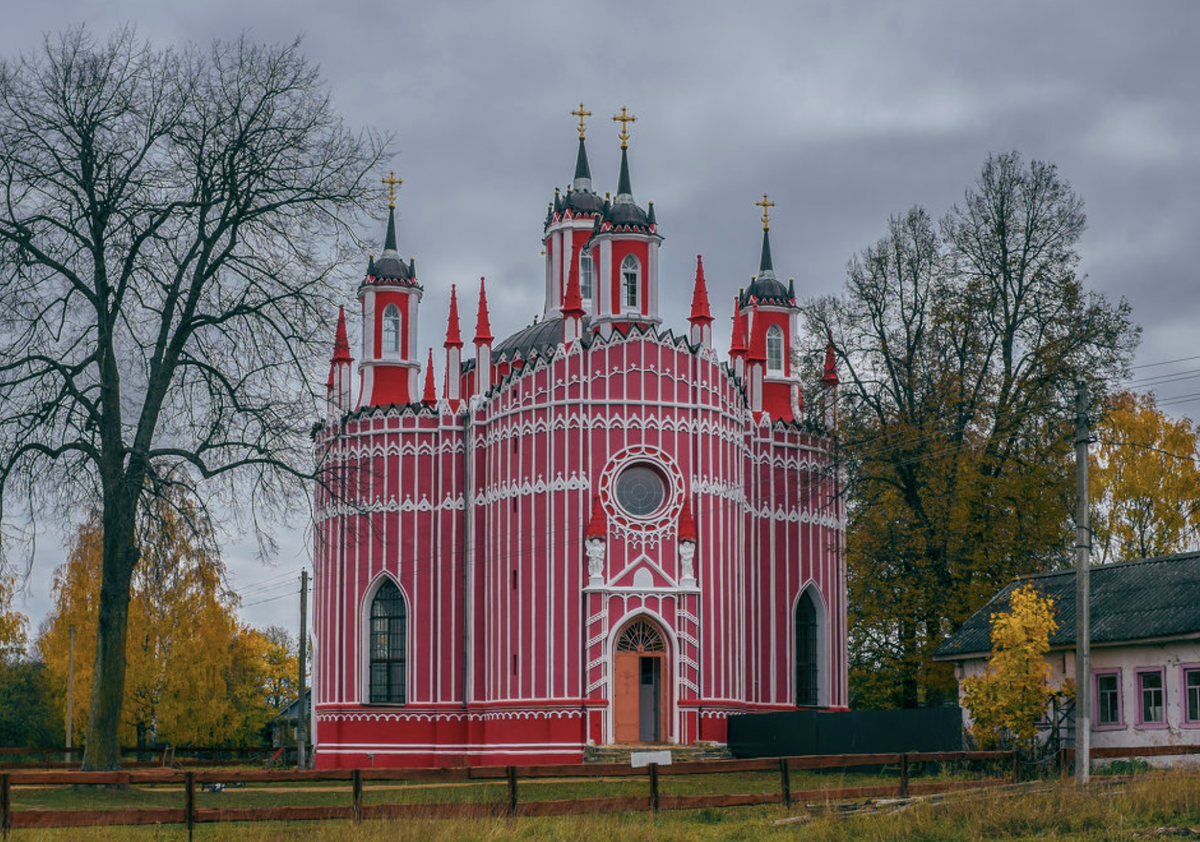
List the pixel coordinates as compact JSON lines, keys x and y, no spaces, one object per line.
{"x":195,"y":675}
{"x":1145,"y":481}
{"x":1007,"y":701}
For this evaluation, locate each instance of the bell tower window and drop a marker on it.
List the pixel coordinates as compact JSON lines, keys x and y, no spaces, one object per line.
{"x":585,"y":274}
{"x":631,"y":272}
{"x":391,"y":329}
{"x":775,"y":349}
{"x":387,"y":644}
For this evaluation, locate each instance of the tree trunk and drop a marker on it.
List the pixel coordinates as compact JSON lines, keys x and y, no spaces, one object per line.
{"x":102,"y":751}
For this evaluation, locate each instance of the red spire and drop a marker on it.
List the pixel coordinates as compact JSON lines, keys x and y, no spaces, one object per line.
{"x":738,"y":346}
{"x":700,"y":311}
{"x":573,"y":301}
{"x":453,"y":337}
{"x":687,"y":526}
{"x":758,"y":342}
{"x":483,"y":327}
{"x":341,"y":345}
{"x":830,"y":378}
{"x":598,"y":525}
{"x":430,"y":390}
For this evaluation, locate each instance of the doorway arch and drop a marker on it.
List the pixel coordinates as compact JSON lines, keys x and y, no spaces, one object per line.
{"x":641,"y":682}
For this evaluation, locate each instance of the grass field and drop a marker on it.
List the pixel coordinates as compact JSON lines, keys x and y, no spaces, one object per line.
{"x":1055,"y":810}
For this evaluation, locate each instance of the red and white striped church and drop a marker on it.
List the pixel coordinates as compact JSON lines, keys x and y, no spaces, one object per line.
{"x":600,"y":531}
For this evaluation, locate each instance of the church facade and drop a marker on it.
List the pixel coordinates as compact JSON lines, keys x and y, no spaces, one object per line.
{"x":600,"y":531}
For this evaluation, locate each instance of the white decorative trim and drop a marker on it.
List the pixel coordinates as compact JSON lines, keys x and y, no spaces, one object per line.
{"x":507,"y":490}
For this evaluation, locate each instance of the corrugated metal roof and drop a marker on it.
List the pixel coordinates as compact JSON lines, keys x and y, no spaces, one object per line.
{"x":1131,"y":600}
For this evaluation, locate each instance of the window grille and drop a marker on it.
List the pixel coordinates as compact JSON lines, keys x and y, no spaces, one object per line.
{"x":387,"y":645}
{"x":806,"y":652}
{"x":640,"y":637}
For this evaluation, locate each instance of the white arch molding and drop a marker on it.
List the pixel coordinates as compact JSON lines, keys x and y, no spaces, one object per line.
{"x":364,"y":634}
{"x":672,"y":659}
{"x":823,"y":660}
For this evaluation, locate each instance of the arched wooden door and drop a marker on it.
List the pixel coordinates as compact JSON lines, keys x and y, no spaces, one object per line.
{"x":640,"y":674}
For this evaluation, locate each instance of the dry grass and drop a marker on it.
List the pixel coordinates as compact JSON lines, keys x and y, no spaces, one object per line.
{"x":1058,"y":811}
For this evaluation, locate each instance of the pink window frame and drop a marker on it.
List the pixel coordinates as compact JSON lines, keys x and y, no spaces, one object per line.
{"x":1097,"y":725}
{"x":1184,"y":722}
{"x":1137,"y":689}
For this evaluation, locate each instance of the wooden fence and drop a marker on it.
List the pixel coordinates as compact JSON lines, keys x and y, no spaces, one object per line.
{"x":158,"y":755}
{"x":512,"y":805}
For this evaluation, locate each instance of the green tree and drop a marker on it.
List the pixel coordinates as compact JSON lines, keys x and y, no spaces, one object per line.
{"x":1007,"y":701}
{"x":958,"y":344}
{"x":1144,"y":480}
{"x":169,"y":224}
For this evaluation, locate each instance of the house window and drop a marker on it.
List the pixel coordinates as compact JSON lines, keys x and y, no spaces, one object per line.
{"x":631,"y":272}
{"x":806,"y":652}
{"x":387,"y":645}
{"x":1108,"y":698}
{"x":391,"y":329}
{"x":1150,"y":697}
{"x":775,"y":349}
{"x":1190,"y":687}
{"x":585,"y":274}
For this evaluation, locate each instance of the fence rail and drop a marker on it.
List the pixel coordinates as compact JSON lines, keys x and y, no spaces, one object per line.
{"x":177,"y":755}
{"x":512,"y":805}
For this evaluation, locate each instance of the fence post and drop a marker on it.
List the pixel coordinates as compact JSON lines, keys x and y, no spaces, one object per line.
{"x":512,"y":790}
{"x":356,"y":809}
{"x":785,"y":783}
{"x":189,"y":802}
{"x":652,"y":770}
{"x":5,"y":806}
{"x":904,"y":775}
{"x":1016,"y":771}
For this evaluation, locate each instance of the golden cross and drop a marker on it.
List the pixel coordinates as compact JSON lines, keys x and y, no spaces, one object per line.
{"x":765,"y":204}
{"x":391,"y":181}
{"x":624,"y":118}
{"x":581,"y":114}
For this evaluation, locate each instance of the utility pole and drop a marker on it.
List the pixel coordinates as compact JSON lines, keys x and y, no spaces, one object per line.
{"x":300,"y":707}
{"x":70,"y":688}
{"x":1083,"y":603}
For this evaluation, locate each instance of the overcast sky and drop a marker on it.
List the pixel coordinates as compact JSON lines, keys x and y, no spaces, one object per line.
{"x":844,"y":112}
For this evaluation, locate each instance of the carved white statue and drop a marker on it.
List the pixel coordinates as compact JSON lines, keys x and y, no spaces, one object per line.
{"x":687,"y":553}
{"x":595,"y":556}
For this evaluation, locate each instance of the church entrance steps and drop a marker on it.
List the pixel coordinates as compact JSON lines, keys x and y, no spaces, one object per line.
{"x":696,"y":752}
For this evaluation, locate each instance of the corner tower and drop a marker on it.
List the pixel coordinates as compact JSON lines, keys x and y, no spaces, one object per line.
{"x":390,"y":295}
{"x":624,"y":247}
{"x":771,"y":330}
{"x":569,"y":225}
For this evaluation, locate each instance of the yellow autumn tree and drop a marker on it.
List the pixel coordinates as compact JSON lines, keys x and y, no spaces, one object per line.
{"x":1007,"y":701}
{"x":12,"y":623}
{"x":1144,"y":480}
{"x":194,"y":676}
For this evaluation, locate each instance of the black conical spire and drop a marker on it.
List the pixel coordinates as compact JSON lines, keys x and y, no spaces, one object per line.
{"x":623,"y":185}
{"x":582,"y":171}
{"x":764,"y":263}
{"x":389,"y":242}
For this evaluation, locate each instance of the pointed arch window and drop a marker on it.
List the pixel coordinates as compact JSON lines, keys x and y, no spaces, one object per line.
{"x":586,"y":274}
{"x":775,"y":349}
{"x":387,"y":645}
{"x":631,"y":275}
{"x":391,"y":329}
{"x":807,"y":665}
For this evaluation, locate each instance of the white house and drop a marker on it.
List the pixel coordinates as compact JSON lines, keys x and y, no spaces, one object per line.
{"x":1145,"y":635}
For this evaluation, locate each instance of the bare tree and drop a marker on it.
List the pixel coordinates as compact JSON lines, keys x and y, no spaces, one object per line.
{"x":169,"y":221}
{"x":960,"y":345}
